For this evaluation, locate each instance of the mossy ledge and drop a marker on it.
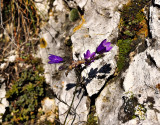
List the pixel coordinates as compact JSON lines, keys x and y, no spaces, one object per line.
{"x":26,"y":93}
{"x":132,"y":28}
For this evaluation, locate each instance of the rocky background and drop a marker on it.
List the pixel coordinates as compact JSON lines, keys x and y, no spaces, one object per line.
{"x":120,"y":88}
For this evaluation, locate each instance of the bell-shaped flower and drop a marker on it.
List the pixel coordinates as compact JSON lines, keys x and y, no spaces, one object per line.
{"x":104,"y":47}
{"x":89,"y":57}
{"x":54,"y":59}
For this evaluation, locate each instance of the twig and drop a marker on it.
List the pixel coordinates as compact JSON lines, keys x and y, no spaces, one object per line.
{"x":1,"y":20}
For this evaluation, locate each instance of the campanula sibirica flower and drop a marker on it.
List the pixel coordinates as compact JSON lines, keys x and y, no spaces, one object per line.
{"x":104,"y":47}
{"x":54,"y":59}
{"x":89,"y":57}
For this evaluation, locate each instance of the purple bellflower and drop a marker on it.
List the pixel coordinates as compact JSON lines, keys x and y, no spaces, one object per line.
{"x":89,"y":57}
{"x":104,"y":47}
{"x":54,"y":59}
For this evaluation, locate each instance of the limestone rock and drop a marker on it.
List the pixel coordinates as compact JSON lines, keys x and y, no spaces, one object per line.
{"x":99,"y":71}
{"x":157,"y":2}
{"x":114,"y":104}
{"x":140,"y":97}
{"x":54,"y":36}
{"x":144,"y":79}
{"x":81,"y":103}
{"x":3,"y":102}
{"x":42,"y":7}
{"x":49,"y":108}
{"x":90,"y":35}
{"x":2,"y":91}
{"x":59,"y":4}
{"x":108,"y":104}
{"x":154,"y":22}
{"x":81,"y":3}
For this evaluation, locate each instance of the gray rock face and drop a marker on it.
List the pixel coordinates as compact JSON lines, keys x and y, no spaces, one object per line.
{"x":145,"y":71}
{"x":100,"y":23}
{"x":43,"y":7}
{"x":140,"y":97}
{"x":99,"y":71}
{"x":55,"y":33}
{"x":108,"y":104}
{"x":157,"y":2}
{"x":154,"y":22}
{"x":133,"y":94}
{"x":81,"y":3}
{"x":141,"y":78}
{"x":81,"y":102}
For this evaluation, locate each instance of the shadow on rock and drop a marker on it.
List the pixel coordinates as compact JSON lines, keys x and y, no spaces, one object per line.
{"x":99,"y":74}
{"x":70,"y":86}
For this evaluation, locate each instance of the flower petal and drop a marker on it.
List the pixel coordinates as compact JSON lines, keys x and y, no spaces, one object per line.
{"x":108,"y":48}
{"x":87,"y":55}
{"x":104,"y":47}
{"x":101,"y":47}
{"x":93,"y":55}
{"x":54,"y":59}
{"x":106,"y":44}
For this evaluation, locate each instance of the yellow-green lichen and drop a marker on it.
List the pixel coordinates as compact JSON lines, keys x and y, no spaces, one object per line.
{"x":43,"y":43}
{"x":140,"y":111}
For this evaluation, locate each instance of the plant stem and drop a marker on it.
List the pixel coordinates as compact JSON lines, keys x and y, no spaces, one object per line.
{"x":74,"y":94}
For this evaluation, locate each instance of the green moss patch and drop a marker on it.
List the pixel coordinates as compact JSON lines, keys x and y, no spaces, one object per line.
{"x":74,"y":15}
{"x":133,"y":26}
{"x":26,"y":93}
{"x":92,"y":119}
{"x":124,"y":49}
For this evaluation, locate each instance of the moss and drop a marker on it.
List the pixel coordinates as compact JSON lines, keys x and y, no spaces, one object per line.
{"x":26,"y":93}
{"x":74,"y":15}
{"x":132,"y":25}
{"x":92,"y":119}
{"x":124,"y":48}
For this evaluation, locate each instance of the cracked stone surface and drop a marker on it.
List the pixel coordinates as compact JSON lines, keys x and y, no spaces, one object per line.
{"x":136,"y":87}
{"x":154,"y":22}
{"x":81,"y":3}
{"x":157,"y":2}
{"x":91,"y":35}
{"x":99,"y":71}
{"x":55,"y":46}
{"x":129,"y":98}
{"x":49,"y":108}
{"x":143,"y":81}
{"x":55,"y":33}
{"x":140,"y":79}
{"x":43,"y":7}
{"x":108,"y":104}
{"x":81,"y":103}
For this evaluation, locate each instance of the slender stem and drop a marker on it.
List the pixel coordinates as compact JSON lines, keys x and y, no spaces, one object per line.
{"x":71,"y":103}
